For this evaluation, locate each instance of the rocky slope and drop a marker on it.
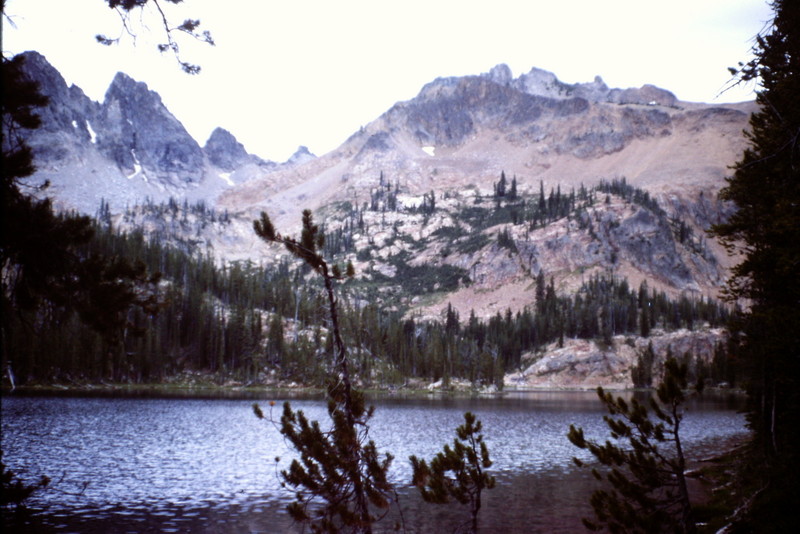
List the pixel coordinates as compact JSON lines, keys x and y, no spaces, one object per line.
{"x":460,"y":134}
{"x":585,"y":364}
{"x":464,"y":131}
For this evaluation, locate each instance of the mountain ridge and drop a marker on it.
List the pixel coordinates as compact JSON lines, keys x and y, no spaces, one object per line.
{"x":128,"y":148}
{"x":456,"y":133}
{"x":466,"y":130}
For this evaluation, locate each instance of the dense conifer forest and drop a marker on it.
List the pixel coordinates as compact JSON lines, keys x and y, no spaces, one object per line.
{"x":265,"y":324}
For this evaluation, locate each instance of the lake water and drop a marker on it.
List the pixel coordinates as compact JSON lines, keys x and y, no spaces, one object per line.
{"x":209,"y":465}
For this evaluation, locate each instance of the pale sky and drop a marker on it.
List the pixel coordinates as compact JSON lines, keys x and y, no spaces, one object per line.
{"x":292,"y":72}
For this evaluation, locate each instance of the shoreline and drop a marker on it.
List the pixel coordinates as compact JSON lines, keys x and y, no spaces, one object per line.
{"x":233,"y":390}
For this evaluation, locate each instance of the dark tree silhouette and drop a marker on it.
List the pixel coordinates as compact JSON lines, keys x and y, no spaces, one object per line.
{"x":190,"y":27}
{"x":14,"y":491}
{"x":765,"y":189}
{"x":46,"y":274}
{"x":340,"y":467}
{"x":459,"y":472}
{"x":647,"y":474}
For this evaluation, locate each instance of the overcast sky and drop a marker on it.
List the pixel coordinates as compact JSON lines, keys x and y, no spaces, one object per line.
{"x":291,"y":72}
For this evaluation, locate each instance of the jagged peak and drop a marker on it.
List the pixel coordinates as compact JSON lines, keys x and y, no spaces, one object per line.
{"x":124,"y":85}
{"x":123,"y":80}
{"x":500,"y":74}
{"x":224,"y":150}
{"x":37,"y":68}
{"x":32,"y":57}
{"x":221,"y":134}
{"x":544,"y":83}
{"x":301,"y":155}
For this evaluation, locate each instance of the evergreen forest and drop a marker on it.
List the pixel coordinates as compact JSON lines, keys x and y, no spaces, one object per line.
{"x":253,"y":324}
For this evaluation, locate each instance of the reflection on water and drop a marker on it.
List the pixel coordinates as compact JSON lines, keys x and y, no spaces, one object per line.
{"x":208,"y":465}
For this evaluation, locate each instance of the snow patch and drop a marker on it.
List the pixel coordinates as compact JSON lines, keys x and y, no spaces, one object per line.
{"x":137,"y":168}
{"x":227,"y":177}
{"x":408,"y":201}
{"x":92,"y":133}
{"x":429,"y":150}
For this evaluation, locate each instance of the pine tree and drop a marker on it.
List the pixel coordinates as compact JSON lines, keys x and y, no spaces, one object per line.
{"x":337,"y":466}
{"x":500,"y":186}
{"x":459,"y":472}
{"x":648,"y":491}
{"x":642,"y":372}
{"x":765,"y":189}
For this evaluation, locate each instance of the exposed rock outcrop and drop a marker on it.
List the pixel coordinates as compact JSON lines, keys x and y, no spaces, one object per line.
{"x":301,"y":155}
{"x":583,"y":364}
{"x":224,"y":151}
{"x":544,"y":83}
{"x":141,"y":135}
{"x":70,"y":120}
{"x":448,"y":111}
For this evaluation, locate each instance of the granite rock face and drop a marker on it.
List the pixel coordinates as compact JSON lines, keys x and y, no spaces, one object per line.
{"x":544,"y":83}
{"x":300,"y":156}
{"x":130,"y":135}
{"x":584,"y":364}
{"x":140,"y":135}
{"x":69,"y":120}
{"x":132,"y":128}
{"x":579,"y":119}
{"x":448,"y":111}
{"x":224,"y":151}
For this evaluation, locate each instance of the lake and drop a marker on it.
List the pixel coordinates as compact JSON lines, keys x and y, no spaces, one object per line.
{"x":209,"y":465}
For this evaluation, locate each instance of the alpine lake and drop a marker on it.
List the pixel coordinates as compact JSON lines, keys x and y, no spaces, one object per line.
{"x":202,"y":462}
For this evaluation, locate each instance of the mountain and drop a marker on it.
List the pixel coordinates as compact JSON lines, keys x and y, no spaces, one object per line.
{"x":459,"y":200}
{"x":654,"y":166}
{"x":459,"y":135}
{"x":455,"y":138}
{"x":465,"y":131}
{"x":127,"y":148}
{"x":226,"y":153}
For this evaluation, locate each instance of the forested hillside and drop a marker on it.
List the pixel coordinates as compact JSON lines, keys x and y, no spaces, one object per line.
{"x":250,"y":323}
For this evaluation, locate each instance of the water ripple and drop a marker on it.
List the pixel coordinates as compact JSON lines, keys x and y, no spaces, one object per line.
{"x":183,"y":463}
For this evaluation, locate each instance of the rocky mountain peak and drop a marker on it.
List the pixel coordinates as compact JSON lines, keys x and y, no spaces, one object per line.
{"x":450,"y":111}
{"x":646,"y":95}
{"x":540,"y":82}
{"x":500,"y":74}
{"x":51,"y":83}
{"x":300,"y":156}
{"x":224,"y":151}
{"x":130,"y":93}
{"x":65,"y":121}
{"x":125,"y":149}
{"x":586,"y":120}
{"x":141,"y":135}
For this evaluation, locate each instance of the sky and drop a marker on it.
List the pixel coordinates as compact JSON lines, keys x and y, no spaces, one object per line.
{"x":286,"y":73}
